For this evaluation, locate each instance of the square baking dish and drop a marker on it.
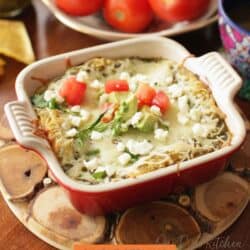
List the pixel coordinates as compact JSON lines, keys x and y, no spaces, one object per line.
{"x":105,"y":198}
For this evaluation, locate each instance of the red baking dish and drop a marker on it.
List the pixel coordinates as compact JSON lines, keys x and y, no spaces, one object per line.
{"x":105,"y":198}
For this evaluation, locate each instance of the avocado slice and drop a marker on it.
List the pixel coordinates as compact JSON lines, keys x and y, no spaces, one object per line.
{"x":118,"y":97}
{"x":128,"y":107}
{"x":148,"y":121}
{"x":127,"y":102}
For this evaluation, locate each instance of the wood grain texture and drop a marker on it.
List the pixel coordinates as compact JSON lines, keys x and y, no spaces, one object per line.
{"x":49,"y":37}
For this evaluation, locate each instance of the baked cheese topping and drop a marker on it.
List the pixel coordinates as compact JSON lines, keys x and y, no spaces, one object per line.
{"x":113,"y":119}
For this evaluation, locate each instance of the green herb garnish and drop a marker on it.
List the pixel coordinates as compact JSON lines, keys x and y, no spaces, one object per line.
{"x":93,"y":152}
{"x":134,"y":157}
{"x":99,"y":175}
{"x":38,"y":101}
{"x":97,"y":125}
{"x":52,"y":104}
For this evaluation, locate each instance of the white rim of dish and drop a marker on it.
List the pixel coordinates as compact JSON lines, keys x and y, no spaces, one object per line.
{"x":74,"y":23}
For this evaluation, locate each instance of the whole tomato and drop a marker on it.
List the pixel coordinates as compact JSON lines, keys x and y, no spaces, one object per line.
{"x":79,"y":7}
{"x":179,"y":10}
{"x":128,"y":15}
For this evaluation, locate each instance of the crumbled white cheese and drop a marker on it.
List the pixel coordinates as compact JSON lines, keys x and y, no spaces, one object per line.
{"x":136,"y":118}
{"x":120,"y":147}
{"x":135,"y":80}
{"x":87,"y":177}
{"x":200,"y":130}
{"x":59,"y":98}
{"x":91,"y":164}
{"x":76,"y":108}
{"x":96,"y":136}
{"x":183,"y":104}
{"x":182,"y":119}
{"x":47,"y":181}
{"x":160,"y":134}
{"x":110,"y":170}
{"x":124,"y":75}
{"x":75,"y":120}
{"x":100,"y":169}
{"x":103,"y":98}
{"x":139,"y":148}
{"x":71,"y":133}
{"x":48,"y":95}
{"x":96,"y":84}
{"x":82,"y":76}
{"x":84,"y":115}
{"x":195,"y":114}
{"x":155,"y":110}
{"x":124,"y":159}
{"x":175,"y":90}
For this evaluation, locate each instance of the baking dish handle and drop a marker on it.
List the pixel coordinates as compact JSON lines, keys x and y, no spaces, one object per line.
{"x":22,"y":126}
{"x":217,"y":73}
{"x":224,"y":83}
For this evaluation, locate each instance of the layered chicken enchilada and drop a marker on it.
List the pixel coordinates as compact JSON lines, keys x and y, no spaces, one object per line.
{"x":113,"y":119}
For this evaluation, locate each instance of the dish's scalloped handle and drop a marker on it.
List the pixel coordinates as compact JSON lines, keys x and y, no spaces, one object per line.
{"x":224,"y":83}
{"x":22,"y":126}
{"x":216,"y":71}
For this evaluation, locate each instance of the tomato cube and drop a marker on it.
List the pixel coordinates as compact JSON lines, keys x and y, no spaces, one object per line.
{"x":73,"y":91}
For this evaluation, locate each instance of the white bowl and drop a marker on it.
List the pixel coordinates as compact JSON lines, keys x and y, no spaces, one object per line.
{"x":94,"y":25}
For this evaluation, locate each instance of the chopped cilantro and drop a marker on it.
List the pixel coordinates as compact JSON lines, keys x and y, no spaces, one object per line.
{"x":99,"y":175}
{"x":38,"y":101}
{"x":52,"y":104}
{"x":93,"y":152}
{"x":134,"y":157}
{"x":97,"y":125}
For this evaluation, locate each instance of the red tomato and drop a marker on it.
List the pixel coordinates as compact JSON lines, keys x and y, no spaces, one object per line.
{"x":79,"y":7}
{"x":145,"y":94}
{"x":73,"y":91}
{"x":161,"y":100}
{"x":179,"y":10}
{"x":116,"y":85}
{"x":128,"y":15}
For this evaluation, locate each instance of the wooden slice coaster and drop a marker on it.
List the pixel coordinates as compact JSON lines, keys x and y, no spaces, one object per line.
{"x":51,"y":217}
{"x":158,"y":223}
{"x":5,"y":131}
{"x":21,"y":170}
{"x":52,"y":210}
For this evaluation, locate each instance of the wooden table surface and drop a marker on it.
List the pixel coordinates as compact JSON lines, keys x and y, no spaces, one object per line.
{"x":49,"y":37}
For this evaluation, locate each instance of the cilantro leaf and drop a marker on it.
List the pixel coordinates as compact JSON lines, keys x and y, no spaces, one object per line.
{"x":99,"y":175}
{"x":38,"y":101}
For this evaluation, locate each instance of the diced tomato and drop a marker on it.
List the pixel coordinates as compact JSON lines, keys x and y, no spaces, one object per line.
{"x":116,"y":85}
{"x":73,"y":91}
{"x":161,"y":100}
{"x":145,"y":94}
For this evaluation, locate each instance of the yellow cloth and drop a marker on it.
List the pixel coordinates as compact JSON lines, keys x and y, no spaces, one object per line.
{"x":15,"y":42}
